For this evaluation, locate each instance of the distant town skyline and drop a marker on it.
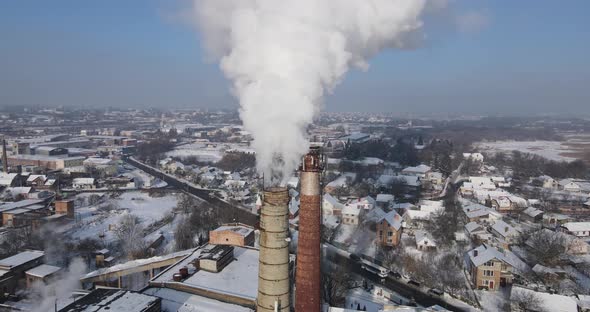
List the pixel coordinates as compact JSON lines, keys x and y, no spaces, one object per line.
{"x":480,"y":56}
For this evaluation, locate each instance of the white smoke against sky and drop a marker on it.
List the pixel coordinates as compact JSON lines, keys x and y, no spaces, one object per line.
{"x":282,"y":56}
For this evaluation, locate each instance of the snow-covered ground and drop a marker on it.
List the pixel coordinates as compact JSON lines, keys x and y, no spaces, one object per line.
{"x":492,"y":300}
{"x":207,"y":152}
{"x":91,"y":221}
{"x":553,"y":150}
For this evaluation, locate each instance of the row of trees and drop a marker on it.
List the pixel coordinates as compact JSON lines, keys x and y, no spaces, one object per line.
{"x":526,"y":165}
{"x":402,"y":152}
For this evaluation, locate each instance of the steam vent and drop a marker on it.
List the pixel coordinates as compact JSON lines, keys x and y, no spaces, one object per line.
{"x":273,"y":274}
{"x":307,"y":278}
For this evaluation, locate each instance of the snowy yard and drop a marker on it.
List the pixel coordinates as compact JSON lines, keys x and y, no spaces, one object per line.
{"x":94,"y":220}
{"x":553,"y":150}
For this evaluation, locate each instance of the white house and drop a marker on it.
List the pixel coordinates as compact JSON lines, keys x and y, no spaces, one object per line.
{"x":504,"y":231}
{"x":350,"y":214}
{"x":419,"y":171}
{"x":579,"y":229}
{"x":424,"y":241}
{"x":83,"y":183}
{"x":331,"y":206}
{"x":473,"y":156}
{"x":570,"y":186}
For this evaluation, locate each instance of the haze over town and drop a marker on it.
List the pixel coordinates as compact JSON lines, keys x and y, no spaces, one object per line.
{"x":296,"y":155}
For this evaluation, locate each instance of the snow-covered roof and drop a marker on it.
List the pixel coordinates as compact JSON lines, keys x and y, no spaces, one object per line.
{"x":385,"y":198}
{"x":532,"y":212}
{"x":423,"y":238}
{"x":332,"y":200}
{"x":418,"y":214}
{"x":472,"y":227}
{"x":549,"y":302}
{"x":476,"y":213}
{"x":21,"y":258}
{"x":80,"y":181}
{"x":19,"y":204}
{"x":504,"y":229}
{"x":577,"y":226}
{"x":418,"y":169}
{"x":138,"y":262}
{"x":34,"y":177}
{"x":43,"y":270}
{"x":241,"y":230}
{"x":393,"y":218}
{"x":487,"y":253}
{"x":15,"y":191}
{"x":342,"y":179}
{"x":408,"y":180}
{"x":6,"y":179}
{"x":351,"y":209}
{"x":175,"y":300}
{"x":97,"y":161}
{"x":103,"y":300}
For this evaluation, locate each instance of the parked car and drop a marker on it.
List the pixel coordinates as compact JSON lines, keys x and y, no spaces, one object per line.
{"x":436,"y":292}
{"x":413,"y":283}
{"x":395,"y":275}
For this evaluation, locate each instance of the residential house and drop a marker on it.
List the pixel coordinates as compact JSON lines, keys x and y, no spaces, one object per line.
{"x":36,"y":180}
{"x":331,"y":205}
{"x":477,"y":157}
{"x":477,"y":232}
{"x":579,"y":229}
{"x":555,"y":220}
{"x":42,"y":274}
{"x":548,"y":182}
{"x":12,"y":270}
{"x":420,"y":171}
{"x":570,"y":185}
{"x":389,"y":229}
{"x":385,"y":201}
{"x":544,"y":301}
{"x":84,"y":183}
{"x":351,"y":214}
{"x":504,"y":231}
{"x":424,"y":241}
{"x":8,"y":179}
{"x":492,"y":268}
{"x":342,"y":181}
{"x":532,"y":214}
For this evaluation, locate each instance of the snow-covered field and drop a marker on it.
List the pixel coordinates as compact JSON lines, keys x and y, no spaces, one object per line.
{"x":93,"y":220}
{"x":206,"y":153}
{"x":553,"y":150}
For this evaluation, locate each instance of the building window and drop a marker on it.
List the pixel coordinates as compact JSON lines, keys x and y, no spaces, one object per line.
{"x":390,"y":233}
{"x":488,"y":273}
{"x":489,"y":263}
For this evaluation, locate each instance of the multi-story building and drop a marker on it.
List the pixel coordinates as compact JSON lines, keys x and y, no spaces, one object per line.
{"x":492,"y":268}
{"x":389,"y":229}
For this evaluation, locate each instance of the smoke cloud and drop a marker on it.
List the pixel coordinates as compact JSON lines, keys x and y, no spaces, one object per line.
{"x":282,"y":57}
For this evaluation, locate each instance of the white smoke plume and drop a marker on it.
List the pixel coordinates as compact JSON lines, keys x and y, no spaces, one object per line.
{"x":282,"y":56}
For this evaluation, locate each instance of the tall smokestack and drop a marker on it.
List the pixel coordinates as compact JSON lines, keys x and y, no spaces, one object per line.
{"x":4,"y":156}
{"x":273,"y":267}
{"x":307,"y":278}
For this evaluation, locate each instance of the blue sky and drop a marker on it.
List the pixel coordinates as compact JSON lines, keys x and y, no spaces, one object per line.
{"x":480,"y":57}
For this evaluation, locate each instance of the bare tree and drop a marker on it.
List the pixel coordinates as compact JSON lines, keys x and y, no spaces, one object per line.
{"x":547,"y":246}
{"x":130,"y":233}
{"x":526,"y":300}
{"x":184,"y":235}
{"x":335,"y":285}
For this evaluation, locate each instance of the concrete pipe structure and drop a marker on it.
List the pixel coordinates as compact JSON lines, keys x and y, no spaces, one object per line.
{"x":307,"y":276}
{"x":273,"y":270}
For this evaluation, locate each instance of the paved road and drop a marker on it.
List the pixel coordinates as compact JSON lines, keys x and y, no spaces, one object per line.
{"x":420,"y":295}
{"x":235,"y":213}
